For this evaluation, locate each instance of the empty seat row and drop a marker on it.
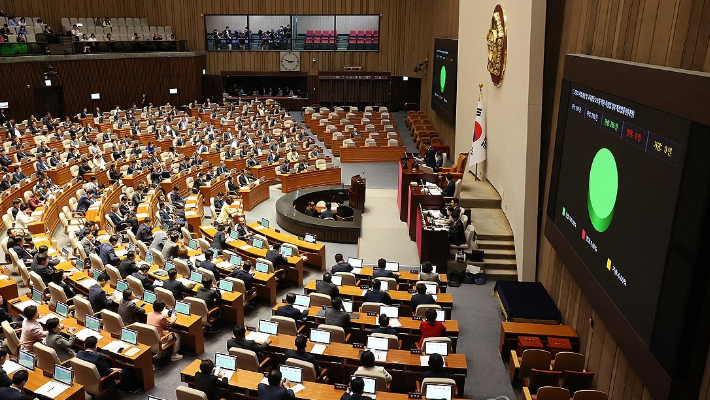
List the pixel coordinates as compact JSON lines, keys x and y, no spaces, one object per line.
{"x":359,"y":43}
{"x":115,"y":22}
{"x":318,"y":43}
{"x":321,"y":33}
{"x":364,"y":33}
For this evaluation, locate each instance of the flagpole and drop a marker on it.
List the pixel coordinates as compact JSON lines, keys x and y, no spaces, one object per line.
{"x":480,"y":94}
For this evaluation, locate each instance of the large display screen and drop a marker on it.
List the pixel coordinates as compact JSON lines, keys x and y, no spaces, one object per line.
{"x":619,"y":176}
{"x":443,"y":90}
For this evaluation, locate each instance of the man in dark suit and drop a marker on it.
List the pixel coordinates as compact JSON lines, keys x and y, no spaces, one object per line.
{"x":421,"y":297}
{"x":219,"y":241}
{"x":107,"y":252}
{"x":209,"y":265}
{"x":240,"y":341}
{"x":301,"y":354}
{"x":288,"y":310}
{"x":277,"y":259}
{"x":170,"y":249}
{"x":285,"y":168}
{"x":218,"y":202}
{"x":128,"y":310}
{"x":327,"y":213}
{"x":142,"y":275}
{"x":376,"y":295}
{"x":116,"y":219}
{"x":326,"y":286}
{"x":90,"y":355}
{"x":97,"y":295}
{"x":128,"y":265}
{"x":14,"y":391}
{"x":381,"y":272}
{"x":144,"y":231}
{"x":430,"y":155}
{"x":207,"y":382}
{"x":456,"y":231}
{"x":243,"y":274}
{"x":341,"y":265}
{"x":436,"y":368}
{"x":384,"y":327}
{"x":5,"y":381}
{"x":357,"y":386}
{"x":450,"y":188}
{"x":43,"y":269}
{"x":85,"y":201}
{"x":277,"y":389}
{"x":335,"y":315}
{"x":175,"y":286}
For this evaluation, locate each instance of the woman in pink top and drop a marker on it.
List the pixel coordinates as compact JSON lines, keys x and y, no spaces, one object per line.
{"x":160,"y":321}
{"x":32,"y":331}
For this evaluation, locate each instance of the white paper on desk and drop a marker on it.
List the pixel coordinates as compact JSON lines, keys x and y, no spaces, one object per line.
{"x":356,"y":270}
{"x":224,"y":265}
{"x":394,"y":323}
{"x":300,"y":308}
{"x":434,"y":296}
{"x":259,"y":337}
{"x":51,"y":389}
{"x":115,"y":345}
{"x":245,"y":247}
{"x":142,"y":216}
{"x":158,"y":283}
{"x":380,"y":355}
{"x":121,"y":252}
{"x":46,"y":318}
{"x":424,"y":361}
{"x":318,"y":349}
{"x":185,"y":281}
{"x":297,"y":388}
{"x":85,"y":333}
{"x":104,"y":238}
{"x":200,"y":258}
{"x":226,"y":372}
{"x":21,"y":306}
{"x":71,"y":271}
{"x":259,"y":227}
{"x":364,"y":291}
{"x":435,"y":192}
{"x":10,"y":366}
{"x":88,"y":282}
{"x":132,"y":352}
{"x":265,"y":380}
{"x":4,"y":277}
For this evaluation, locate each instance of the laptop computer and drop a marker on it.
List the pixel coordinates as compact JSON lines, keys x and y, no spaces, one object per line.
{"x":265,"y":222}
{"x":440,"y":348}
{"x":26,"y":360}
{"x":293,"y":374}
{"x":309,"y":237}
{"x":169,"y":266}
{"x":370,"y":385}
{"x":196,"y":277}
{"x":192,"y":244}
{"x":149,"y":297}
{"x":337,"y":280}
{"x":262,"y":267}
{"x":438,"y":392}
{"x":390,"y":311}
{"x":129,"y":336}
{"x":182,"y":308}
{"x":269,"y":327}
{"x":63,"y":374}
{"x":378,"y":343}
{"x":62,"y":309}
{"x":227,"y":286}
{"x":392,"y":266}
{"x":320,"y":336}
{"x":440,"y":315}
{"x":121,"y":286}
{"x":234,"y":235}
{"x":302,"y":302}
{"x":93,"y":323}
{"x":36,"y":296}
{"x":235,"y":260}
{"x":286,"y":251}
{"x":431,"y":288}
{"x":258,"y":243}
{"x":226,"y":364}
{"x":355,"y":262}
{"x":149,"y":258}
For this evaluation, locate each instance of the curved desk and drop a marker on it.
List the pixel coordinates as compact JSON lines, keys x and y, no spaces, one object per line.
{"x":254,"y":194}
{"x":314,"y":251}
{"x":306,"y":179}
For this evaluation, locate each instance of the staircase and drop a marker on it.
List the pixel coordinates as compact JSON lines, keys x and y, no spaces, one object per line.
{"x":494,"y":234}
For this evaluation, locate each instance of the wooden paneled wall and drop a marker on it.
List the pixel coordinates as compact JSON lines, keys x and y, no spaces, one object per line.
{"x":119,"y":81}
{"x":673,"y":33}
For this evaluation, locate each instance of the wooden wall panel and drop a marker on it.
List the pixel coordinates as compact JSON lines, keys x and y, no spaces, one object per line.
{"x":673,"y":33}
{"x":119,"y":81}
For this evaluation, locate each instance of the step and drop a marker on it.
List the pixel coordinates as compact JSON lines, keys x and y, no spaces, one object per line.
{"x":491,"y":224}
{"x":501,"y":264}
{"x":496,"y":244}
{"x":499,"y":254}
{"x":478,"y":194}
{"x":501,"y":274}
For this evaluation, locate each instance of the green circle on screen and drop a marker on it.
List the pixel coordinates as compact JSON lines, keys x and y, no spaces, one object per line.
{"x":603,"y":189}
{"x":442,"y":78}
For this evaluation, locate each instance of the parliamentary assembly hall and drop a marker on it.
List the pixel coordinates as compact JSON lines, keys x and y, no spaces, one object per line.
{"x":355,"y":200}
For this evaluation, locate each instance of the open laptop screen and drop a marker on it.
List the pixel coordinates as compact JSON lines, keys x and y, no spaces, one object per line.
{"x":293,"y":374}
{"x":441,"y":348}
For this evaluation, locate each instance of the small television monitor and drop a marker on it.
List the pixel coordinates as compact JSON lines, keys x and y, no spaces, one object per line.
{"x":310,"y":238}
{"x":234,"y":234}
{"x":169,"y":266}
{"x":235,"y":260}
{"x":337,"y":280}
{"x":96,"y":273}
{"x":270,"y":327}
{"x":4,"y":104}
{"x":79,"y":264}
{"x":225,"y":361}
{"x":286,"y":251}
{"x":26,"y":360}
{"x":65,"y":252}
{"x":392,"y":266}
{"x":192,"y":244}
{"x":172,"y":91}
{"x":265,"y":222}
{"x":440,"y":348}
{"x":93,"y":323}
{"x":182,"y":308}
{"x":262,"y":267}
{"x":227,"y":286}
{"x":129,"y":336}
{"x":320,"y":336}
{"x":196,"y":276}
{"x":438,"y":392}
{"x":390,"y":311}
{"x":166,"y":227}
{"x":257,"y":243}
{"x":95,"y":96}
{"x":440,"y":315}
{"x":121,"y":286}
{"x":370,"y":384}
{"x":293,"y":374}
{"x":431,"y":288}
{"x":378,"y":343}
{"x":303,"y":300}
{"x":62,"y":309}
{"x":348,"y":306}
{"x":149,"y":258}
{"x":149,"y":297}
{"x":384,"y":285}
{"x":355,"y":262}
{"x":62,"y":374}
{"x":36,"y":296}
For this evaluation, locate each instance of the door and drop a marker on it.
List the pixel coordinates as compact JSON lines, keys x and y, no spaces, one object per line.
{"x":49,"y":98}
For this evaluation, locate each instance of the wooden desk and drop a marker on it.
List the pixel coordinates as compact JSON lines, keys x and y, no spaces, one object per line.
{"x":371,"y":154}
{"x":134,"y":179}
{"x":314,"y":251}
{"x":254,"y":195}
{"x":50,"y":214}
{"x":432,"y":243}
{"x":62,"y":174}
{"x":141,"y":362}
{"x":267,"y":172}
{"x":181,"y":180}
{"x":405,"y":276}
{"x":37,"y":378}
{"x":8,"y":289}
{"x":409,"y":172}
{"x":324,"y":177}
{"x":509,"y":332}
{"x":399,"y":297}
{"x":418,"y":195}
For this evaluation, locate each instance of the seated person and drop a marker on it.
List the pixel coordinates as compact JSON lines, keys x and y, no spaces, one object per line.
{"x":376,"y":295}
{"x":145,"y":233}
{"x":456,"y":231}
{"x":367,"y":364}
{"x":436,"y":367}
{"x":210,"y":296}
{"x":328,"y":213}
{"x":162,"y":322}
{"x":129,"y":311}
{"x":336,"y":315}
{"x":207,"y":382}
{"x":341,"y":265}
{"x":63,"y":346}
{"x":91,"y":355}
{"x":381,"y":272}
{"x":243,"y":274}
{"x":142,"y":276}
{"x":170,"y":248}
{"x":175,"y":286}
{"x":356,"y":386}
{"x":450,"y":188}
{"x":128,"y":266}
{"x":209,"y":265}
{"x":326,"y":286}
{"x":58,"y":279}
{"x":288,"y":310}
{"x":428,"y":273}
{"x":219,"y":241}
{"x":43,"y":269}
{"x":97,"y":295}
{"x":240,"y":341}
{"x":311,"y":210}
{"x":5,"y":381}
{"x":301,"y":354}
{"x":14,"y":391}
{"x":107,"y":252}
{"x":32,"y":331}
{"x":430,"y":327}
{"x":277,"y":259}
{"x":421,"y":297}
{"x":277,"y":389}
{"x":384,"y":322}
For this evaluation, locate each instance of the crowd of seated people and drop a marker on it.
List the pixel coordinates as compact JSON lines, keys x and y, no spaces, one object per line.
{"x":270,"y":39}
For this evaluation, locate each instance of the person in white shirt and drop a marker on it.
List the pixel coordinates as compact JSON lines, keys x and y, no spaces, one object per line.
{"x":94,"y":148}
{"x":99,"y":162}
{"x":22,"y":218}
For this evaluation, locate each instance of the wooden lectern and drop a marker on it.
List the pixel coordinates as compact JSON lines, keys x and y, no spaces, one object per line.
{"x":357,"y":192}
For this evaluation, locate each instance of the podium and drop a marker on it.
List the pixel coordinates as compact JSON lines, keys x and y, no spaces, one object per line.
{"x":356,"y":192}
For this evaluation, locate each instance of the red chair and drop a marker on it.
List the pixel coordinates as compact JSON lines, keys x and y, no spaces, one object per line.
{"x":333,"y":33}
{"x":360,"y":43}
{"x":331,"y":43}
{"x":318,"y":32}
{"x":352,"y":43}
{"x":308,"y":45}
{"x":376,"y":33}
{"x":317,"y":43}
{"x":361,"y":34}
{"x":368,"y":33}
{"x":309,"y":33}
{"x":353,"y":33}
{"x":368,"y":44}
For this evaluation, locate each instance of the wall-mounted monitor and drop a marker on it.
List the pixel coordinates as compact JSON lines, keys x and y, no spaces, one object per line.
{"x":95,"y":96}
{"x":444,"y":73}
{"x":4,"y":104}
{"x":172,"y":91}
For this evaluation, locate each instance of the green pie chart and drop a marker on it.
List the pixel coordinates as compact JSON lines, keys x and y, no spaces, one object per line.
{"x":603,"y":189}
{"x":442,"y":78}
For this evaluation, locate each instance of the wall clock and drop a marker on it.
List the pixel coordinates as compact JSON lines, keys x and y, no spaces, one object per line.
{"x":290,"y":61}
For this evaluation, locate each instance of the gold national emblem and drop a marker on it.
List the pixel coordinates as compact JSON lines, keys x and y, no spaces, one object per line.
{"x":497,"y":41}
